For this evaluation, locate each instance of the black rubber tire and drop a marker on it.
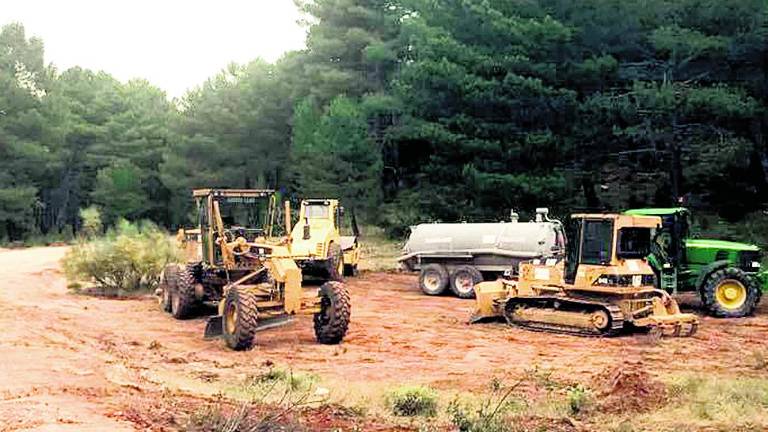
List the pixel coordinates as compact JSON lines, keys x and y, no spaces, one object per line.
{"x":332,"y":322}
{"x":183,"y":300}
{"x":433,"y":270}
{"x":168,"y":282}
{"x":242,"y":338}
{"x":465,"y":272}
{"x":709,"y":288}
{"x":350,"y":270}
{"x":335,"y":271}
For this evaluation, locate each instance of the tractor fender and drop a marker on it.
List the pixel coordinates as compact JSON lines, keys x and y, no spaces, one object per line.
{"x":708,"y":270}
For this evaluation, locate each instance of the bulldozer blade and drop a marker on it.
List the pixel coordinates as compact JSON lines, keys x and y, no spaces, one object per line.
{"x":214,"y":328}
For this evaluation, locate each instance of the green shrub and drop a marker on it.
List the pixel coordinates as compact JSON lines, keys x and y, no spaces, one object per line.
{"x":91,"y":220}
{"x":410,"y":401}
{"x":578,"y":397}
{"x":128,"y":258}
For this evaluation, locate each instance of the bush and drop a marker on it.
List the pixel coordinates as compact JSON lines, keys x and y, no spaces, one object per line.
{"x":128,"y":258}
{"x":91,"y":220}
{"x":410,"y":401}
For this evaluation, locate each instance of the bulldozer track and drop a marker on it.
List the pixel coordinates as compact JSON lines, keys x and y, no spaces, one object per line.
{"x":615,"y":315}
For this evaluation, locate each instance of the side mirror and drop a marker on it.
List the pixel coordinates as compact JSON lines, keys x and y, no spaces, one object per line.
{"x":306,"y":234}
{"x":341,"y":211}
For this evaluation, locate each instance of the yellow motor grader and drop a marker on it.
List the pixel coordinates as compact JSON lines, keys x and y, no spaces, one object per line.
{"x":234,"y":260}
{"x":316,"y":241}
{"x":602,"y":286}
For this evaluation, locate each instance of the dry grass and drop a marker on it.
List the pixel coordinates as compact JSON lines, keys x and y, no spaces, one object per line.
{"x":379,"y":253}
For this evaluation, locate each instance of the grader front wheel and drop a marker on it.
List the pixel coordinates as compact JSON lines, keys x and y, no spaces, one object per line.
{"x":332,"y":322}
{"x":240,"y":319}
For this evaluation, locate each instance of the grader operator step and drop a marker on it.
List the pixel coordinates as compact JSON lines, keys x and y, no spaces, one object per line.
{"x":214,"y":329}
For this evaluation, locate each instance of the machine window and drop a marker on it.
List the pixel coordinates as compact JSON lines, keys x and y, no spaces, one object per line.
{"x":316,"y":211}
{"x":634,"y":243}
{"x":598,"y":242}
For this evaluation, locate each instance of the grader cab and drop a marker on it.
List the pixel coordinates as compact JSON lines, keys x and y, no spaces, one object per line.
{"x":233,"y":259}
{"x":602,"y":286}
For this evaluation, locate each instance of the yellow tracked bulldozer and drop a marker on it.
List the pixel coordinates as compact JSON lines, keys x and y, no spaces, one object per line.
{"x":234,"y":260}
{"x":602,"y":287}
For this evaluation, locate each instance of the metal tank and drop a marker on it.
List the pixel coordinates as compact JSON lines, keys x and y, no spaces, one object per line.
{"x":459,"y":255}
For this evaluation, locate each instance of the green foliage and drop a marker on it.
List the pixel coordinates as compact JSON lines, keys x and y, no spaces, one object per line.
{"x":128,"y":258}
{"x":91,"y":221}
{"x":578,"y":398}
{"x":492,"y":412}
{"x":333,"y":156}
{"x":411,"y":401}
{"x":410,"y":112}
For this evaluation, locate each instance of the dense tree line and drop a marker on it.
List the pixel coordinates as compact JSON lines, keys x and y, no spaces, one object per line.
{"x":413,"y":110}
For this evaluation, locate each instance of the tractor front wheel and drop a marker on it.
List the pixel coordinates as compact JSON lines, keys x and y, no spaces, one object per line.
{"x":332,"y":322}
{"x":730,"y":293}
{"x":241,"y":317}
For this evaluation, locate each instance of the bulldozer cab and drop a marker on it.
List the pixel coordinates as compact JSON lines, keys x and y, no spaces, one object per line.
{"x":606,"y":240}
{"x":232,"y":213}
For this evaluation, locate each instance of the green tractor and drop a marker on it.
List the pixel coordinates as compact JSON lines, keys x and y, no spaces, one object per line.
{"x":726,"y":275}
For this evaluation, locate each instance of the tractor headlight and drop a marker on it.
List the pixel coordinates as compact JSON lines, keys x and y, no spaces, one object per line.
{"x":626,"y":280}
{"x":755,"y":264}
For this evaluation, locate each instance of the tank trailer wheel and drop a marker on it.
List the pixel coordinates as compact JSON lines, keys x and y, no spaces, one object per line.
{"x":241,"y":317}
{"x":433,"y":279}
{"x":183,"y":300}
{"x":332,"y":322}
{"x":463,"y":281}
{"x":335,"y":265}
{"x":168,"y":281}
{"x":730,"y":293}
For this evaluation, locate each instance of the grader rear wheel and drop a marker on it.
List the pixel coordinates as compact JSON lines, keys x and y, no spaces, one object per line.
{"x":240,"y":319}
{"x":168,"y":282}
{"x":332,"y":322}
{"x":183,"y":300}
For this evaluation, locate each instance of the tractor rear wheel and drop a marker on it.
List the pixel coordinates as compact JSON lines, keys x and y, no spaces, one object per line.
{"x":241,"y":318}
{"x":335,"y":264}
{"x":433,"y":279}
{"x":730,"y":293}
{"x":332,"y":322}
{"x":183,"y":300}
{"x":463,"y":281}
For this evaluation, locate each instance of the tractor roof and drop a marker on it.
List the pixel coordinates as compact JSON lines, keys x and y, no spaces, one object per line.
{"x":657,"y":211}
{"x":233,"y":192}
{"x":623,"y":220}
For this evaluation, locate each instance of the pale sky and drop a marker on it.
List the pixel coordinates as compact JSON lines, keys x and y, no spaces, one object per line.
{"x":174,"y":44}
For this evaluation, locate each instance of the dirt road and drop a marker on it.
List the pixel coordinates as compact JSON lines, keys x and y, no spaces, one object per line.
{"x":68,"y":362}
